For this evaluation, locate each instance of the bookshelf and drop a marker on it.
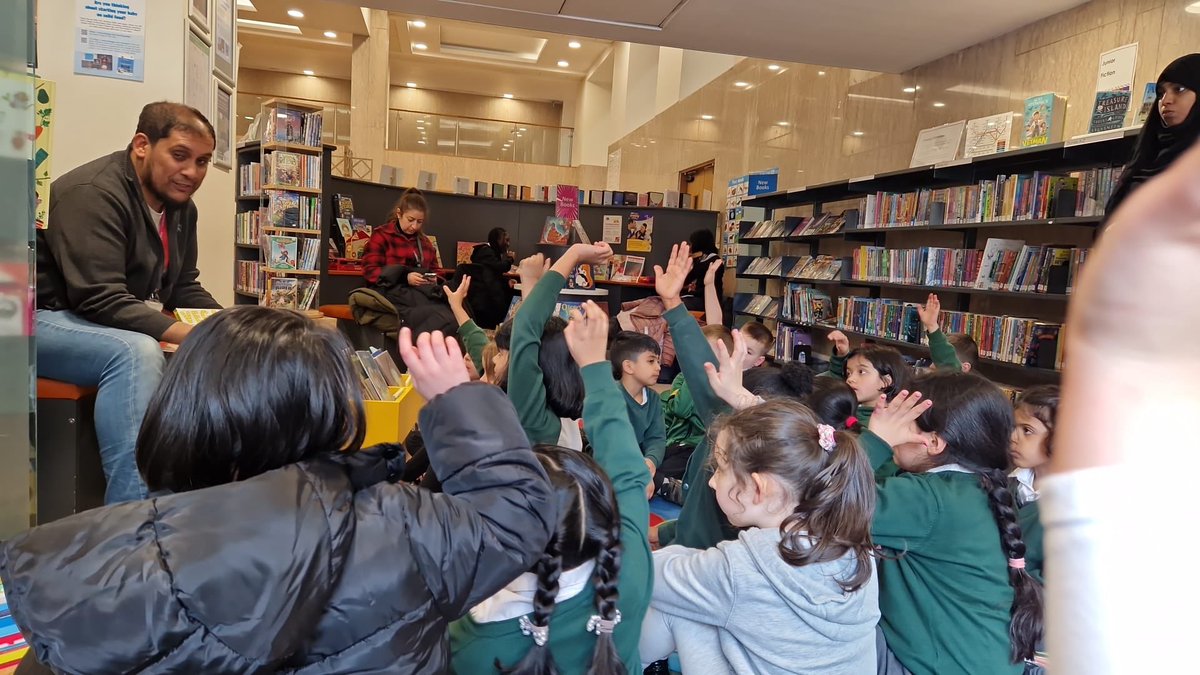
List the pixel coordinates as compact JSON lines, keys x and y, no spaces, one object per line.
{"x":279,"y":238}
{"x":933,"y":229}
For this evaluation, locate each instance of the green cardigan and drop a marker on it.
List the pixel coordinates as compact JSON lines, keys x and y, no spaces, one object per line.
{"x":473,"y":341}
{"x":475,"y":646}
{"x":683,"y":423}
{"x":944,"y":593}
{"x":701,"y":522}
{"x":526,"y":383}
{"x":647,"y":421}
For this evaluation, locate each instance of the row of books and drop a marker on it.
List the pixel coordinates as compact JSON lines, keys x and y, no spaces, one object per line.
{"x":1033,"y":196}
{"x":822,"y":223}
{"x":250,"y":277}
{"x":793,"y":344}
{"x":620,"y":268}
{"x":290,"y":169}
{"x":806,"y":305}
{"x":293,"y":210}
{"x":12,"y":643}
{"x":285,"y":253}
{"x":1009,"y":264}
{"x":284,"y":125}
{"x":547,"y":193}
{"x":763,"y":306}
{"x":250,"y":179}
{"x":818,"y":268}
{"x":771,"y":266}
{"x":249,"y":227}
{"x":925,"y":266}
{"x":291,"y":293}
{"x":376,"y":371}
{"x":1009,"y":339}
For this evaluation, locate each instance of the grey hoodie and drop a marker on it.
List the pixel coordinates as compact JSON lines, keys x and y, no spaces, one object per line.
{"x":769,"y":616}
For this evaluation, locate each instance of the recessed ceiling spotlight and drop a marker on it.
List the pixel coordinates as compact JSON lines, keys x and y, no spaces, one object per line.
{"x":295,"y":14}
{"x":418,"y":24}
{"x":522,"y":129}
{"x":773,"y":66}
{"x":741,"y":84}
{"x":330,"y":34}
{"x":518,"y":135}
{"x":421,"y":142}
{"x":309,"y":72}
{"x":574,"y":44}
{"x":563,"y":64}
{"x":653,"y":141}
{"x":508,"y":96}
{"x":821,"y":72}
{"x":784,"y":124}
{"x":411,"y":85}
{"x":910,"y":90}
{"x":706,"y":117}
{"x":1193,"y":8}
{"x":247,"y":117}
{"x":939,"y":104}
{"x":856,"y":133}
{"x":420,"y":46}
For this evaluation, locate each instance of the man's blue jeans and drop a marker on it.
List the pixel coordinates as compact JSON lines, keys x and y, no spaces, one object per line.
{"x":126,"y":366}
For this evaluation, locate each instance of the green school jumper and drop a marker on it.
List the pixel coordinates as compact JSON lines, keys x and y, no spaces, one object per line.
{"x":526,"y":386}
{"x":473,"y":341}
{"x":940,"y":351}
{"x":943,"y":578}
{"x":647,"y":421}
{"x":683,"y":423}
{"x":475,"y":646}
{"x":701,"y":522}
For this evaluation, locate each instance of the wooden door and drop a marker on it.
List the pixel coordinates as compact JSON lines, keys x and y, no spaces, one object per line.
{"x":698,"y":182}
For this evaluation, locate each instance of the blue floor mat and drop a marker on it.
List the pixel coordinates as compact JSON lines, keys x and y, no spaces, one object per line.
{"x":664,"y":509}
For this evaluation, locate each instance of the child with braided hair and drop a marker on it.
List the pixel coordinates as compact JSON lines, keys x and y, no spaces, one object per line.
{"x":954,"y":590}
{"x":580,"y":609}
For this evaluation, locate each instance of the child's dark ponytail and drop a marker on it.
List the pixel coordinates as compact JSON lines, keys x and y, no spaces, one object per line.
{"x":538,"y":660}
{"x":605,"y":660}
{"x":1025,"y":628}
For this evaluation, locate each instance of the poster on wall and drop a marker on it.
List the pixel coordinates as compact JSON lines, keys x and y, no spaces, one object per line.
{"x":197,"y":74}
{"x":110,"y":39}
{"x":639,"y":232}
{"x":612,"y":229}
{"x":223,"y":124}
{"x":223,"y":29}
{"x":43,"y":131}
{"x":198,"y":12}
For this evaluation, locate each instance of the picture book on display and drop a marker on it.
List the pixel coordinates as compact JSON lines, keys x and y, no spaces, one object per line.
{"x":1108,"y":112}
{"x":282,"y":252}
{"x":282,"y":292}
{"x":988,"y":135}
{"x":284,"y":169}
{"x":387,"y":367}
{"x":306,"y":297}
{"x":1149,"y":97}
{"x":344,"y":205}
{"x":557,"y":231}
{"x":639,"y":232}
{"x":462,"y":253}
{"x":1044,"y":118}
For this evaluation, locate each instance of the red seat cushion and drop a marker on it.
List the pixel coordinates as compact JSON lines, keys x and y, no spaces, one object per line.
{"x":337,"y":311}
{"x":62,"y":391}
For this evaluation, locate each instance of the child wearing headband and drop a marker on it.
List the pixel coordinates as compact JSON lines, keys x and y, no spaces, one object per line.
{"x":796,"y":591}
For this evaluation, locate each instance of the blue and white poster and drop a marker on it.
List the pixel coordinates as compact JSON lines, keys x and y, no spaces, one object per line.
{"x":110,"y":39}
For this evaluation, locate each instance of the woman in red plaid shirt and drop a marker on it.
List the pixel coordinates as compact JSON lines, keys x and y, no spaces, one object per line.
{"x":400,"y":263}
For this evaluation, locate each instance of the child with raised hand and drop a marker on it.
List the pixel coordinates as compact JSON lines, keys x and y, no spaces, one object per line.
{"x":580,"y":608}
{"x":953,"y":586}
{"x":543,"y":381}
{"x":636,"y":365}
{"x":796,"y":591}
{"x":870,"y":370}
{"x":472,"y":336}
{"x":941,"y":350}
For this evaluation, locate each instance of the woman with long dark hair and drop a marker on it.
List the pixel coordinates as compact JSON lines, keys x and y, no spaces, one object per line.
{"x":274,"y":543}
{"x":1172,"y":127}
{"x":492,"y":293}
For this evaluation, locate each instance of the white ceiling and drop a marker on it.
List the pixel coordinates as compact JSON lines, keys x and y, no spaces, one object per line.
{"x":880,"y":35}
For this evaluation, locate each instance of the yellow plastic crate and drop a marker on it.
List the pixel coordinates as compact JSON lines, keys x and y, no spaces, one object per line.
{"x":391,"y":421}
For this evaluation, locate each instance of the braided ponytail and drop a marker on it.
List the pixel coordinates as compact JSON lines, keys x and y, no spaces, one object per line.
{"x":538,"y":660}
{"x":605,"y":660}
{"x":1025,"y":628}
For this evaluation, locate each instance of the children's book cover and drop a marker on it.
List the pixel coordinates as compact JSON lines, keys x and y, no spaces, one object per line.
{"x":634,"y":264}
{"x":283,"y":209}
{"x":582,"y":278}
{"x":462,"y":253}
{"x":557,"y":231}
{"x":1149,"y":97}
{"x":1039,"y":112}
{"x":289,"y":126}
{"x":1109,"y":110}
{"x":345,"y":206}
{"x":281,"y":292}
{"x":286,"y":169}
{"x":281,"y":253}
{"x":639,"y":232}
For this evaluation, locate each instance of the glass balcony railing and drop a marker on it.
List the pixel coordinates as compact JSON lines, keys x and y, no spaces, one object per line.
{"x":335,"y":117}
{"x":410,"y":131}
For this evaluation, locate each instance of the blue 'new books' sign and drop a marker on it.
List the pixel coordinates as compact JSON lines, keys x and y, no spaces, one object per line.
{"x":762,"y":183}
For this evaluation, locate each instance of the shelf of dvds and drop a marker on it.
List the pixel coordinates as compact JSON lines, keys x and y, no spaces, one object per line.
{"x":281,"y":176}
{"x":935,"y":229}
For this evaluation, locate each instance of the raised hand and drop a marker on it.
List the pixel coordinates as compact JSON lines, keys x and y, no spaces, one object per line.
{"x":894,"y":421}
{"x":669,"y":282}
{"x":587,"y":335}
{"x":726,"y":380}
{"x":841,"y":343}
{"x":458,"y":297}
{"x":929,"y":313}
{"x":435,"y":362}
{"x":710,"y":275}
{"x":531,"y":270}
{"x":593,"y":254}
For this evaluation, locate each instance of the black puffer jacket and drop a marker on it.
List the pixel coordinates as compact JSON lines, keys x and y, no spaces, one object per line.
{"x":318,"y":567}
